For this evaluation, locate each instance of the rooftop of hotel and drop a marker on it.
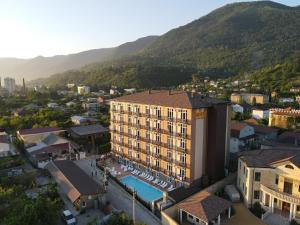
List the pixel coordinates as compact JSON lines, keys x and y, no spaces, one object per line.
{"x":179,"y":99}
{"x":265,"y":158}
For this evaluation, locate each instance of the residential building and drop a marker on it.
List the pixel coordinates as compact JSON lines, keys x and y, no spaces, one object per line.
{"x":79,"y":187}
{"x":6,"y":147}
{"x":241,"y":137}
{"x":178,"y":136}
{"x":91,"y":106}
{"x":83,"y":90}
{"x":250,"y":98}
{"x":52,"y":105}
{"x":260,"y":114}
{"x":263,"y":133}
{"x":284,"y":118}
{"x":271,"y":177}
{"x":297,"y":98}
{"x":9,"y":84}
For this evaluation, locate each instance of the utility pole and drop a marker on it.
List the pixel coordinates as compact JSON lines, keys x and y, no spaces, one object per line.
{"x":133,"y":206}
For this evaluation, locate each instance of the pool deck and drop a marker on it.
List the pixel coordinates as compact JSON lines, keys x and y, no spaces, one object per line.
{"x":121,"y":173}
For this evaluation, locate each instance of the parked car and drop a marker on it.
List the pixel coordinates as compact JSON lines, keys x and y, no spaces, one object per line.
{"x":68,"y":218}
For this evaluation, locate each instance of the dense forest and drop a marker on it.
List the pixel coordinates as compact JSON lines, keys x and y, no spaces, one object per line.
{"x":235,"y":39}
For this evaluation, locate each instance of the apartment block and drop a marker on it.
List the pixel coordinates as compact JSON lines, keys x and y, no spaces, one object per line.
{"x":272,"y":178}
{"x":250,"y":98}
{"x":178,"y":136}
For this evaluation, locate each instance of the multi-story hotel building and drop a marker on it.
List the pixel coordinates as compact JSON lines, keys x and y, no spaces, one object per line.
{"x":175,"y":135}
{"x":271,"y":177}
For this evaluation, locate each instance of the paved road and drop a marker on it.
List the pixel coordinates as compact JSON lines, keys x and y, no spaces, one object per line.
{"x":119,"y":198}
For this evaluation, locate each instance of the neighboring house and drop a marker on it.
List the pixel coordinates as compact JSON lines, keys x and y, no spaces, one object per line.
{"x":237,"y":108}
{"x":284,"y":118}
{"x":271,"y":178}
{"x":298,"y":98}
{"x":83,"y":90}
{"x":260,"y":114}
{"x":250,"y":98}
{"x":6,"y":148}
{"x":29,"y":136}
{"x":80,"y":188}
{"x":79,"y":120}
{"x":286,"y":100}
{"x":263,"y":133}
{"x":242,"y":136}
{"x":49,"y":148}
{"x":91,"y":106}
{"x":89,"y":132}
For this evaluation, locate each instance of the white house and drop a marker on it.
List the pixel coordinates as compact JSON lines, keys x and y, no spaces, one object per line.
{"x":242,"y":135}
{"x":260,"y":114}
{"x":70,"y":104}
{"x":78,"y":120}
{"x":83,"y":90}
{"x":237,"y":108}
{"x":286,"y":100}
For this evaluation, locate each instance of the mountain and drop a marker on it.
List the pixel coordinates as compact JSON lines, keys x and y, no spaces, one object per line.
{"x":235,"y":39}
{"x":44,"y":66}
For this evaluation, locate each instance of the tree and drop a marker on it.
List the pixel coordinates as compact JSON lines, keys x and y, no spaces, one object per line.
{"x":121,"y":219}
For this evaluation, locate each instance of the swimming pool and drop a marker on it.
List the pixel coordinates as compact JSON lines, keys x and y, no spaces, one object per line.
{"x":144,"y":190}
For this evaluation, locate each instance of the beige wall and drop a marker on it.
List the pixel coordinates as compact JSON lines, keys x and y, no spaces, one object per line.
{"x":268,"y":177}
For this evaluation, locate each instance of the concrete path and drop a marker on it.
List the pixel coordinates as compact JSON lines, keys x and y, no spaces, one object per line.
{"x":118,"y":197}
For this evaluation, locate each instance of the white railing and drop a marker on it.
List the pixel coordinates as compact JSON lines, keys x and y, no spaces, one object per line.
{"x":280,"y":195}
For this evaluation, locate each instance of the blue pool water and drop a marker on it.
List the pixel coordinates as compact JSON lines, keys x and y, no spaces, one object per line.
{"x":144,"y":190}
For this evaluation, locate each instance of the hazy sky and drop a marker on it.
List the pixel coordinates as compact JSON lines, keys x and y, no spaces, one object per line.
{"x":48,"y":27}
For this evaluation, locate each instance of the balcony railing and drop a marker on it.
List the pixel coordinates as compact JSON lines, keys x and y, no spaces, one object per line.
{"x":280,"y":195}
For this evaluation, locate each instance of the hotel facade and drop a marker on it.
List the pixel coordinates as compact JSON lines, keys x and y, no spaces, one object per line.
{"x":272,"y":178}
{"x":176,"y":136}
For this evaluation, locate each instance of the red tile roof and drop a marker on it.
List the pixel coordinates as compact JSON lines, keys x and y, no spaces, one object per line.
{"x":204,"y":206}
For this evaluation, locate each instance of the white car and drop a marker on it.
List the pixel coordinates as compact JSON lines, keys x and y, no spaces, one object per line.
{"x":68,"y":217}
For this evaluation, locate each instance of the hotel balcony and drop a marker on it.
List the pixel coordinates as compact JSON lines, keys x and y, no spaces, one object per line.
{"x":280,"y":195}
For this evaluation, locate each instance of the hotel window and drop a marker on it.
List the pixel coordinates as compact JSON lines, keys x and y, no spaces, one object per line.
{"x":157,"y":150}
{"x":157,"y":164}
{"x":157,"y":137}
{"x":182,"y":143}
{"x":299,"y":188}
{"x":148,"y":135}
{"x":170,"y":127}
{"x":138,"y":145}
{"x":245,"y":190}
{"x":147,"y":110}
{"x":121,"y":108}
{"x":182,"y":129}
{"x":169,"y":167}
{"x":182,"y":158}
{"x":169,"y":154}
{"x":182,"y":172}
{"x":246,"y":173}
{"x":148,"y":123}
{"x":256,"y":194}
{"x":138,"y":155}
{"x":129,"y":108}
{"x":129,"y":120}
{"x":170,"y":142}
{"x":113,"y":107}
{"x":121,"y":118}
{"x":170,"y":113}
{"x":129,"y":152}
{"x":148,"y":147}
{"x":183,"y":115}
{"x":148,"y":159}
{"x":157,"y":124}
{"x":257,"y":176}
{"x":129,"y":142}
{"x":137,"y":134}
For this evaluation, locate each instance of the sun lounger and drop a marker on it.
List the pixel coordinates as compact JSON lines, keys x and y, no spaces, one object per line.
{"x":155,"y":181}
{"x":151,"y":178}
